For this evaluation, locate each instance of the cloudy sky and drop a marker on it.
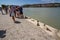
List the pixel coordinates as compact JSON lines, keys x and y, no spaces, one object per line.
{"x":21,"y":2}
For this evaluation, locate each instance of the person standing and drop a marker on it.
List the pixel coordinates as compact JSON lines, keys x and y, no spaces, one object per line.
{"x":21,"y":12}
{"x":17,"y":11}
{"x":6,"y":9}
{"x":0,"y":10}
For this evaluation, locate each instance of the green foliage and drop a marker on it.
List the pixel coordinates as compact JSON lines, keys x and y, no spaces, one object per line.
{"x":3,"y":6}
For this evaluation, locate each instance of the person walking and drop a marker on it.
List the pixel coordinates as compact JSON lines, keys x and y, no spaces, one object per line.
{"x":12,"y":14}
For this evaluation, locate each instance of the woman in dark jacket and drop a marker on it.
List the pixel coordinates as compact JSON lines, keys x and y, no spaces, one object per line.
{"x":21,"y":12}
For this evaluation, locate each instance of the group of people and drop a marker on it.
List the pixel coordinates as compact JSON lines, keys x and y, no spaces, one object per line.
{"x":14,"y":12}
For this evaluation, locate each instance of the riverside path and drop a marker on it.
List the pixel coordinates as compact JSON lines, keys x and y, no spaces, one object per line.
{"x":24,"y":30}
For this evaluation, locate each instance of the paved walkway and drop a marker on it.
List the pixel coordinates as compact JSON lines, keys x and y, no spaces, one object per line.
{"x":22,"y":31}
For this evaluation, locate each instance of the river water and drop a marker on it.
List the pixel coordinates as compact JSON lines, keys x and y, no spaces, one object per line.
{"x":49,"y":16}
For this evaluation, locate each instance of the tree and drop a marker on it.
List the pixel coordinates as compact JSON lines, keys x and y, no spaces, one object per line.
{"x":3,"y":6}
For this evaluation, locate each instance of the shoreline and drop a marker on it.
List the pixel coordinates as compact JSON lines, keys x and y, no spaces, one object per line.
{"x":49,"y":29}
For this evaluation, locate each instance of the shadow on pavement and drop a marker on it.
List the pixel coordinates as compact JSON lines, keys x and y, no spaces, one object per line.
{"x":2,"y":33}
{"x":17,"y":22}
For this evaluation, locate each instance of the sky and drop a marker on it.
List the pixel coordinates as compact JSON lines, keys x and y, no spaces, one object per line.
{"x":22,"y":2}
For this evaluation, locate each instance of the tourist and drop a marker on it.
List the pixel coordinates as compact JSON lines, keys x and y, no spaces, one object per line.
{"x":12,"y":14}
{"x":21,"y":12}
{"x":17,"y":12}
{"x":0,"y":10}
{"x":6,"y":9}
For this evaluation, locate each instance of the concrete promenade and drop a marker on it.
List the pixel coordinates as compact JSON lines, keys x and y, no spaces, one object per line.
{"x":24,"y":30}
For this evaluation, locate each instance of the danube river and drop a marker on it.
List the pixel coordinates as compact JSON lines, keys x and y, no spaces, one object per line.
{"x":50,"y":16}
